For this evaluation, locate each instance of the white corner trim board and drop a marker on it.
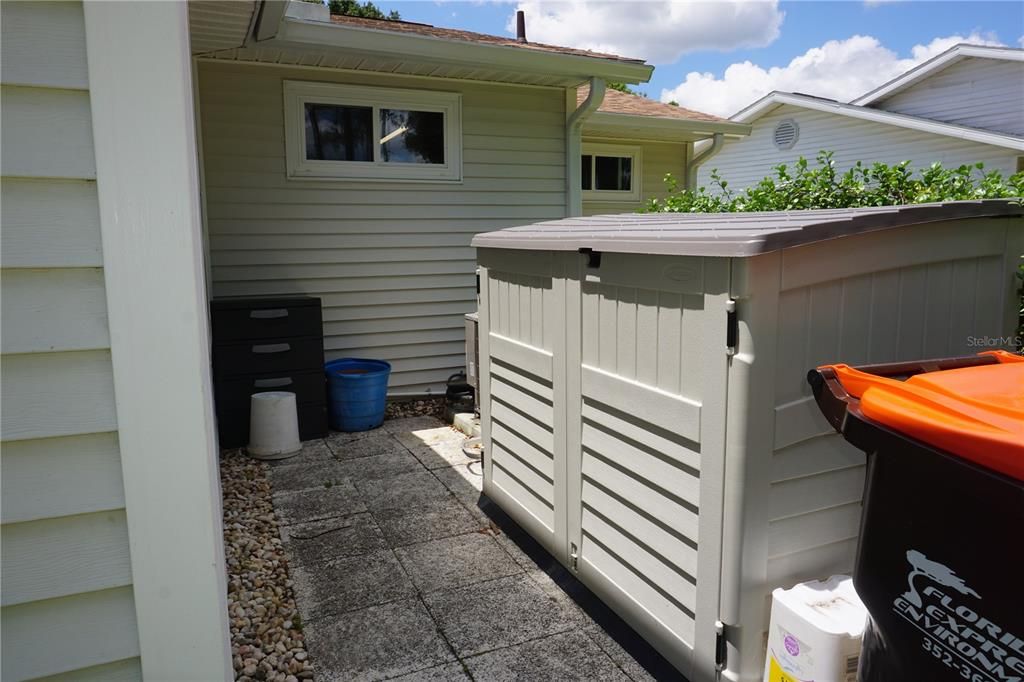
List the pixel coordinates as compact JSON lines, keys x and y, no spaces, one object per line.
{"x":147,"y":180}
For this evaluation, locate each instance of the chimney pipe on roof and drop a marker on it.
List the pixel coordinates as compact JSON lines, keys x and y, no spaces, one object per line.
{"x":521,"y":26}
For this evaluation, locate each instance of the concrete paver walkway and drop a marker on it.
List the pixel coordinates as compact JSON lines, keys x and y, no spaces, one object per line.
{"x":403,"y":570}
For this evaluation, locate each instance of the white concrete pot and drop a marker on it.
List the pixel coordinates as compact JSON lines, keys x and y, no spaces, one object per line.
{"x":273,"y":426}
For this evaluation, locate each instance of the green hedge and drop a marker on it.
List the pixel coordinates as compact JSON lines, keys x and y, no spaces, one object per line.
{"x":805,"y":187}
{"x":822,"y":186}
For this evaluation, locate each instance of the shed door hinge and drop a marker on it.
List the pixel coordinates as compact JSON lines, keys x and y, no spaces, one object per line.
{"x":732,"y":329}
{"x":720,"y":649}
{"x":573,"y":556}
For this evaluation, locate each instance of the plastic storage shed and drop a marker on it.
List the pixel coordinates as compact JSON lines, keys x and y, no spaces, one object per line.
{"x":667,"y":449}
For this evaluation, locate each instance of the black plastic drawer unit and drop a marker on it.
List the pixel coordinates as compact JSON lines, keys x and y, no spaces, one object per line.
{"x":267,"y":344}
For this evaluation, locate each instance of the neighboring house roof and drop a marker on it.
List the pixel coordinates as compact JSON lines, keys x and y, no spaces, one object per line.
{"x":616,"y":102}
{"x":935,"y":64}
{"x":468,"y":36}
{"x":775,"y":99}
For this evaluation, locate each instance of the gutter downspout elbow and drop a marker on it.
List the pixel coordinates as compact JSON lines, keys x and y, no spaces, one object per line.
{"x":589,"y":105}
{"x":573,"y":146}
{"x":717,"y":140}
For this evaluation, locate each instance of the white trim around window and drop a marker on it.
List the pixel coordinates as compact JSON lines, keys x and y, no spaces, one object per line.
{"x":297,"y":94}
{"x":617,"y":151}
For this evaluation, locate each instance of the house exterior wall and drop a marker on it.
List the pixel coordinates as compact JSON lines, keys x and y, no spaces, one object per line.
{"x":68,"y":605}
{"x":390,"y":260}
{"x":657,"y":159}
{"x":975,"y":92}
{"x":744,"y":162}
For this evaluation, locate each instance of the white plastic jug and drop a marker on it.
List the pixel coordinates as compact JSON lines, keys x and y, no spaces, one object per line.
{"x":815,"y":632}
{"x":273,"y":426}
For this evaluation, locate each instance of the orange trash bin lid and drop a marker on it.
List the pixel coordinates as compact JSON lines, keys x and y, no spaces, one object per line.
{"x":973,"y":412}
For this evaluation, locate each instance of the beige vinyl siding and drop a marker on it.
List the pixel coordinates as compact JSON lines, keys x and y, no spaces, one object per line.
{"x":657,"y":159}
{"x":390,"y":260}
{"x":975,"y":92}
{"x":128,"y":670}
{"x":67,"y":606}
{"x":744,"y":162}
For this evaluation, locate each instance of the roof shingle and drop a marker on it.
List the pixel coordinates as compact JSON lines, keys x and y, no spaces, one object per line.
{"x":468,"y":37}
{"x":616,"y":102}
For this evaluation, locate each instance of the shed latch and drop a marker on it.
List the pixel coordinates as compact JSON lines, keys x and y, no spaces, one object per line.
{"x":593,"y":257}
{"x":573,"y":555}
{"x":732,"y":329}
{"x":720,"y":649}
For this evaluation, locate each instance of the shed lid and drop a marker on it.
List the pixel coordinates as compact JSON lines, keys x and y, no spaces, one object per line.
{"x":729,"y":234}
{"x":974,"y":412}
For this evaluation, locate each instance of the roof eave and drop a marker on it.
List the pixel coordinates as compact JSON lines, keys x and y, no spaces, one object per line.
{"x":667,"y":127}
{"x":430,"y":49}
{"x":268,"y":21}
{"x":753,"y":111}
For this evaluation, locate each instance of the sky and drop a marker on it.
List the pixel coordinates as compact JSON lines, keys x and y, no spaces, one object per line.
{"x":722,"y":55}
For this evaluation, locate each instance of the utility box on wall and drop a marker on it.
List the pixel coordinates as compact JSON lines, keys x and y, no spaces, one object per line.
{"x":644,"y":406}
{"x":472,"y":352}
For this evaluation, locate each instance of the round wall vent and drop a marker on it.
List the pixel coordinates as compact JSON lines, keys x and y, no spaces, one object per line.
{"x":786,"y":134}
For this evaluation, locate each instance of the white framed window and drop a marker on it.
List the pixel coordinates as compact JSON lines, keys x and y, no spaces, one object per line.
{"x":610,"y":172}
{"x":348,"y":131}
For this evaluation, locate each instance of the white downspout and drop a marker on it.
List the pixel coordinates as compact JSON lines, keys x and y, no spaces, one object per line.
{"x":717,"y":140}
{"x":573,"y":146}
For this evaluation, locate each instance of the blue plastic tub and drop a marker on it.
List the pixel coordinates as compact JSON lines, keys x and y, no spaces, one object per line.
{"x":358,"y":392}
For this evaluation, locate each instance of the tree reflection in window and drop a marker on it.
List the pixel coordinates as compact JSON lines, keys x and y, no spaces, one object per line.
{"x":411,"y":136}
{"x":339,"y":133}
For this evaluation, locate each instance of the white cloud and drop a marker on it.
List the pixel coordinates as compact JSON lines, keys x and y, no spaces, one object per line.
{"x":659,"y":31}
{"x":839,"y":69}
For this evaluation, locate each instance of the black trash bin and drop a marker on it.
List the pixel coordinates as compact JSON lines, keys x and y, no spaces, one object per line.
{"x":940,"y":561}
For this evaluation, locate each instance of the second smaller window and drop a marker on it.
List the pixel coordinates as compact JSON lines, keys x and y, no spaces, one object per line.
{"x":610,"y":173}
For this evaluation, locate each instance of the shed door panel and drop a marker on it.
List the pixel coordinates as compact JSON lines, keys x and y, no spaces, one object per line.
{"x":524,"y":328}
{"x":650,"y":364}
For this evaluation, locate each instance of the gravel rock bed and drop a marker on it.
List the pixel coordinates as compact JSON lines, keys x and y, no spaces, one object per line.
{"x":267,"y":643}
{"x":432,"y":407}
